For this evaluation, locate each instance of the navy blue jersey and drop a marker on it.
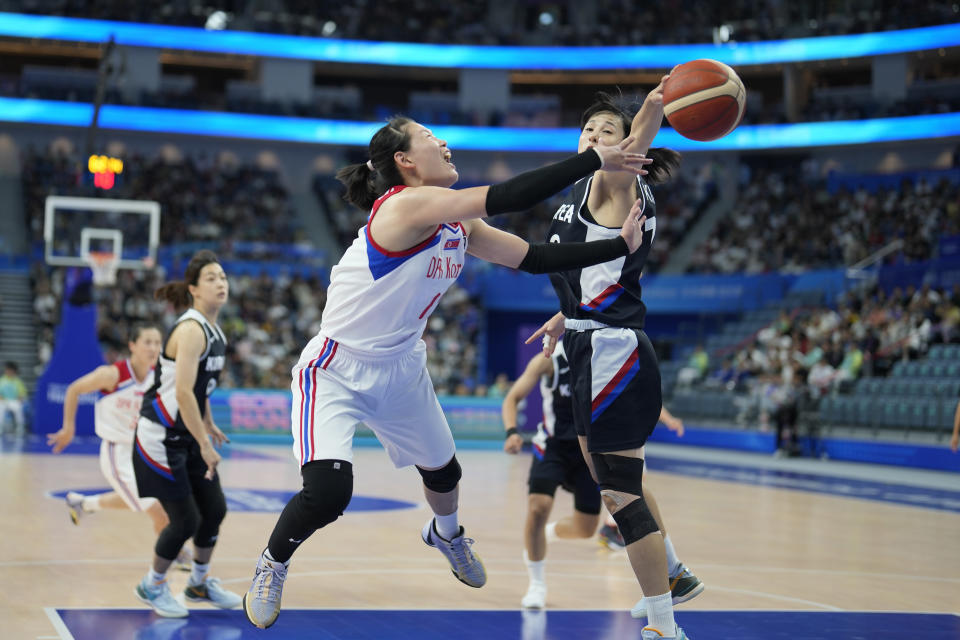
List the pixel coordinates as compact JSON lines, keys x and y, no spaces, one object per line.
{"x":557,"y":400}
{"x":608,"y":292}
{"x":160,"y":401}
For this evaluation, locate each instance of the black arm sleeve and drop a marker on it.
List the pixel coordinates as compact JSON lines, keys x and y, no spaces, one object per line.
{"x":527,"y":189}
{"x":551,"y":257}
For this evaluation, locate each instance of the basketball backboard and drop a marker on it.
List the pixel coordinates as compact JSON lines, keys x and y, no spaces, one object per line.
{"x":75,"y":227}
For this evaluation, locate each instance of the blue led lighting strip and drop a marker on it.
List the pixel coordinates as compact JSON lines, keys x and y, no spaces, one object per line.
{"x":348,"y":133}
{"x":486,"y":57}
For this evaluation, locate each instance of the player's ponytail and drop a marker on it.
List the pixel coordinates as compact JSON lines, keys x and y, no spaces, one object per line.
{"x":367,"y":181}
{"x":178,"y":293}
{"x":665,"y":162}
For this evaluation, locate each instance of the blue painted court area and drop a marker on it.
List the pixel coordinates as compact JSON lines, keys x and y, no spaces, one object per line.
{"x":294,"y":624}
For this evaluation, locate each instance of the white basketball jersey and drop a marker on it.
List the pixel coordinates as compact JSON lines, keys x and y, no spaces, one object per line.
{"x":117,"y":411}
{"x":379,"y":301}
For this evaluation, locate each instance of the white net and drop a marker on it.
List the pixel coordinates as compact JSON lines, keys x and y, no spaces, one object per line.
{"x":104,"y":266}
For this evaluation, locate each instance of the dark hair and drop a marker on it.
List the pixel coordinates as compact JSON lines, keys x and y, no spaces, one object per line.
{"x":10,"y":364}
{"x":139,"y":327}
{"x":178,"y":293}
{"x":365,"y":186}
{"x":665,"y":161}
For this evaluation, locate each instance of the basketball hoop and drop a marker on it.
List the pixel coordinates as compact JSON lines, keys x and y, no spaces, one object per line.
{"x":104,"y":266}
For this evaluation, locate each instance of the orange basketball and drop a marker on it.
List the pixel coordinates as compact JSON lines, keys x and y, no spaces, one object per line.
{"x":704,"y":99}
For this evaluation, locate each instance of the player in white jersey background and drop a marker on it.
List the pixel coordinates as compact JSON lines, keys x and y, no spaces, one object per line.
{"x":616,"y":379}
{"x":122,"y":385}
{"x":368,"y":363}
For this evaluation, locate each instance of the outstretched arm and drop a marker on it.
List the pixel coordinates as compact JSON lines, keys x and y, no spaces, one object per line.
{"x":425,"y":207}
{"x":646,"y":123}
{"x":104,"y":377}
{"x":493,"y":245}
{"x":643,"y":129}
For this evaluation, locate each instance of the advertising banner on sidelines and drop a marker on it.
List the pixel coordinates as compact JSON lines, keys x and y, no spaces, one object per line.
{"x":267,"y":412}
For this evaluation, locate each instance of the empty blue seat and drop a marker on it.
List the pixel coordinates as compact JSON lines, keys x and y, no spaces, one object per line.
{"x":947,"y":410}
{"x":937,"y":352}
{"x":828,"y":410}
{"x":861,"y":415}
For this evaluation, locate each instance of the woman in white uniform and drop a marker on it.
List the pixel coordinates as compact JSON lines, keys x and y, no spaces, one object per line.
{"x":368,"y":363}
{"x":121,"y":386}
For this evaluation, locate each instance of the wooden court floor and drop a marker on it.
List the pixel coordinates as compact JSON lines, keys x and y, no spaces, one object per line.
{"x":755,"y":547}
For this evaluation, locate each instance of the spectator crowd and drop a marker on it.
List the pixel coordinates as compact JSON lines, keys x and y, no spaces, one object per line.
{"x":788,"y":222}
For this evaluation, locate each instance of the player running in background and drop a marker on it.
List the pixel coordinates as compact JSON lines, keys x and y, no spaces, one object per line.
{"x":121,"y":386}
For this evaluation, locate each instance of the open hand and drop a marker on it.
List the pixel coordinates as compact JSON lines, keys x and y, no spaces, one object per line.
{"x":617,"y":158}
{"x":60,"y":439}
{"x":633,"y":226}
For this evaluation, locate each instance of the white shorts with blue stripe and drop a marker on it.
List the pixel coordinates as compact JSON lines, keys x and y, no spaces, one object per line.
{"x":337,"y":388}
{"x":116,"y":464}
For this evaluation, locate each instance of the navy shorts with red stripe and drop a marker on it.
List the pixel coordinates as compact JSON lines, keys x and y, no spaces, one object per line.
{"x":615,"y":384}
{"x":185,"y":477}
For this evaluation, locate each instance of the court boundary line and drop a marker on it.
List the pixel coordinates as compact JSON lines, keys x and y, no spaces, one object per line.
{"x":58,"y":624}
{"x":585,"y":610}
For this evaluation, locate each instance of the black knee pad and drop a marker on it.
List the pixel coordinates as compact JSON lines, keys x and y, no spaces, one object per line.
{"x":443,"y":480}
{"x":327,"y":489}
{"x":635,"y":521}
{"x":625,"y":475}
{"x":211,"y":515}
{"x":184,"y":519}
{"x":618,"y":473}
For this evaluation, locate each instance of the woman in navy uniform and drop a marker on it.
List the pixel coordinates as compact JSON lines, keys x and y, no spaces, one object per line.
{"x":615,"y":376}
{"x":174,"y":456}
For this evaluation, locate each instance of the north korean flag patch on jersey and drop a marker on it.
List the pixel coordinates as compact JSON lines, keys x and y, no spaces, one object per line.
{"x":451,"y":244}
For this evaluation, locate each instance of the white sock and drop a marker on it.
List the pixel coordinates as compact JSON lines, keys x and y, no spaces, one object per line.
{"x":91,"y":503}
{"x":672,"y":560}
{"x":198,"y":572}
{"x":155,"y":578}
{"x":660,"y":614}
{"x":551,"y":531}
{"x":266,"y":554}
{"x":534,"y":568}
{"x":447,"y":526}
